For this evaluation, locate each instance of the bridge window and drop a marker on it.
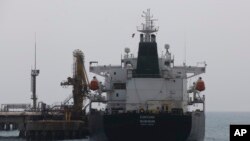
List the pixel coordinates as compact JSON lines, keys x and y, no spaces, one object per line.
{"x":119,"y":85}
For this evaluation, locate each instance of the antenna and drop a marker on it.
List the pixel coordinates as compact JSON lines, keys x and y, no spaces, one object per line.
{"x":185,"y":48}
{"x":34,"y":74}
{"x":148,"y":27}
{"x":35,"y":50}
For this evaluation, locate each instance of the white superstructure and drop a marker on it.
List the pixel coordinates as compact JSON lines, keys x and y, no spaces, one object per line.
{"x":128,"y":93}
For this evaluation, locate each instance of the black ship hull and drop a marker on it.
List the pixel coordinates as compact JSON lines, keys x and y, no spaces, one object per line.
{"x":147,"y":127}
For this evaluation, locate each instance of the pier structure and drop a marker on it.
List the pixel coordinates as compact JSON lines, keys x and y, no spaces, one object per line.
{"x":16,"y":120}
{"x":52,"y":122}
{"x":13,"y":116}
{"x":43,"y":124}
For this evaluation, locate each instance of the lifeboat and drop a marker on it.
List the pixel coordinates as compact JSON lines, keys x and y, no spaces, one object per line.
{"x":200,"y":85}
{"x":94,"y":84}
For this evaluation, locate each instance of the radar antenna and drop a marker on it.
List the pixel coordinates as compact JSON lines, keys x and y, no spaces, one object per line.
{"x":148,"y":27}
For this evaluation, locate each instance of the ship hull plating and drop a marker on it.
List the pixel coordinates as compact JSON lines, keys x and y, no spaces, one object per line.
{"x":147,"y":127}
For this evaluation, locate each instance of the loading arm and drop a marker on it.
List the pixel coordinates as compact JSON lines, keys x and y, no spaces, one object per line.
{"x":80,"y":84}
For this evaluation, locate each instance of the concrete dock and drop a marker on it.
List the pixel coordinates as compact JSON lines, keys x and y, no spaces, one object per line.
{"x":37,"y":126}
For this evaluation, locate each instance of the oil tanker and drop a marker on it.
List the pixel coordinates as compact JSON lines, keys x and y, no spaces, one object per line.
{"x":147,"y":97}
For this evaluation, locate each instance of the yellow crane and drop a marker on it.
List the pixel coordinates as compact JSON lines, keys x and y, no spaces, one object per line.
{"x":80,"y":84}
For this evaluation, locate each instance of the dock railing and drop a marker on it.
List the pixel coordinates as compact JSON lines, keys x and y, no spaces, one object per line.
{"x":15,"y":107}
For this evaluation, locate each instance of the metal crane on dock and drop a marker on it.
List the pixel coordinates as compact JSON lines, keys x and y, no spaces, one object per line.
{"x":67,"y":121}
{"x":80,"y":84}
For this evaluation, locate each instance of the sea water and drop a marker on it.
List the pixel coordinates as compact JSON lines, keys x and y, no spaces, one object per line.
{"x":218,"y":123}
{"x":217,"y":126}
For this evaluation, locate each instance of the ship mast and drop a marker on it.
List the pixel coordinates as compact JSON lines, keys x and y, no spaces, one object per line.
{"x":34,"y":74}
{"x":148,"y":27}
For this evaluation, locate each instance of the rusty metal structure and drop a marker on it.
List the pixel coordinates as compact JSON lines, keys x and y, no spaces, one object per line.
{"x":79,"y":81}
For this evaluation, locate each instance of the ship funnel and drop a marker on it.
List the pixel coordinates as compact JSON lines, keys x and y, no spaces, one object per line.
{"x":147,"y":60}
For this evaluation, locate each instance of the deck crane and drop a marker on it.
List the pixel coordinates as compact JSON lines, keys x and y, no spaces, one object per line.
{"x":80,"y":84}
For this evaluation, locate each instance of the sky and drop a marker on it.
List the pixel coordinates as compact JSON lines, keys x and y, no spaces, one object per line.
{"x":215,"y":31}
